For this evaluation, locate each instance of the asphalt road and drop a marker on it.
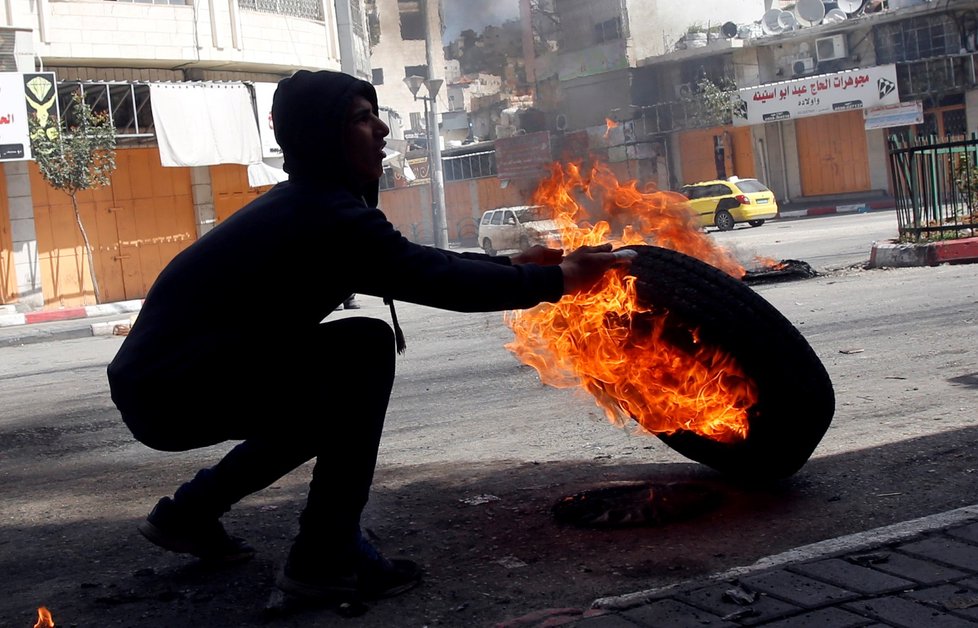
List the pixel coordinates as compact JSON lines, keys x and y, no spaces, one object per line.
{"x":898,"y":345}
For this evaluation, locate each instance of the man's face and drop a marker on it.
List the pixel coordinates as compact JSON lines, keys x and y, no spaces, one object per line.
{"x":364,"y":142}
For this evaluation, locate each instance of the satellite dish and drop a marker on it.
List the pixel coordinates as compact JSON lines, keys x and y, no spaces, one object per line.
{"x":770,"y":23}
{"x":834,"y":16}
{"x":850,"y":6}
{"x":787,"y":21}
{"x":810,"y":12}
{"x":729,"y":30}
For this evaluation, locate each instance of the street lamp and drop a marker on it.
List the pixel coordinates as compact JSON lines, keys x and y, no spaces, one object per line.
{"x":439,"y":221}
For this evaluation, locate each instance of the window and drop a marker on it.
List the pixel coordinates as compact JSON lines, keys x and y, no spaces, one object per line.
{"x":471,"y":166}
{"x":127,"y":104}
{"x":509,"y":218}
{"x":750,"y":186}
{"x":917,"y":38}
{"x":158,"y":1}
{"x":497,"y":218}
{"x":377,"y":76}
{"x":609,"y":30}
{"x":486,"y":217}
{"x":416,"y":70}
{"x":412,"y":19}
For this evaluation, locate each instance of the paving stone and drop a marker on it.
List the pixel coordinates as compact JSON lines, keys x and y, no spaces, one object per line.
{"x":954,"y":598}
{"x":797,"y":589}
{"x":713,"y":598}
{"x":907,"y":613}
{"x":967,"y":533}
{"x":674,"y":614}
{"x":916,"y":569}
{"x":852,"y":577}
{"x":834,"y":617}
{"x":946,"y":550}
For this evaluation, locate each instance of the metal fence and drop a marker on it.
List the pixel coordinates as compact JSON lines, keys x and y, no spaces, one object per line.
{"x":935,"y":184}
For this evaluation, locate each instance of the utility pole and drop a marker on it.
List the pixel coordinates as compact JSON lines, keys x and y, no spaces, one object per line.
{"x":432,"y":39}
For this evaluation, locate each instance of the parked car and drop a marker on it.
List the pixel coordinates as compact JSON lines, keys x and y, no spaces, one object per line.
{"x":517,"y":228}
{"x":724,"y":203}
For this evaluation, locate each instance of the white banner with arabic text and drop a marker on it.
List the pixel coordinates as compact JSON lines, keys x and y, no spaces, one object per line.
{"x":816,"y":95}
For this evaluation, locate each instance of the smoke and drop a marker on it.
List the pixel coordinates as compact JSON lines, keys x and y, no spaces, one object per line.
{"x":460,"y":15}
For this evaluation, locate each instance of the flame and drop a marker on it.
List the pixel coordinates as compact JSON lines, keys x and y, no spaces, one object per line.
{"x":625,"y":353}
{"x":609,"y":124}
{"x":769,"y":263}
{"x":44,"y":619}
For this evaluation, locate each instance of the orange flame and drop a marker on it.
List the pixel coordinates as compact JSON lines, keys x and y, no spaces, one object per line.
{"x":768,"y":263}
{"x":44,"y":619}
{"x":609,"y":124}
{"x":609,"y":343}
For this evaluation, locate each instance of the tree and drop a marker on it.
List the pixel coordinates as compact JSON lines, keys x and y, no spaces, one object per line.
{"x":75,"y":152}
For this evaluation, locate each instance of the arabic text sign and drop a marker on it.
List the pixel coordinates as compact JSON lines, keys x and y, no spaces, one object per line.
{"x":14,"y":140}
{"x":523,"y":156}
{"x":816,"y":95}
{"x":900,"y":114}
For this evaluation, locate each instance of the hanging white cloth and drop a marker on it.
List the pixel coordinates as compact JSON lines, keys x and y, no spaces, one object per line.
{"x":205,"y":124}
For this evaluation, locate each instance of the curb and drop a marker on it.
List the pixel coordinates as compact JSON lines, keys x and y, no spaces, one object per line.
{"x":70,"y":313}
{"x":859,"y":541}
{"x":896,"y":255}
{"x":857,"y":208}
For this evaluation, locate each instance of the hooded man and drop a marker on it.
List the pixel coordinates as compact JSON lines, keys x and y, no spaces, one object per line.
{"x":315,"y":240}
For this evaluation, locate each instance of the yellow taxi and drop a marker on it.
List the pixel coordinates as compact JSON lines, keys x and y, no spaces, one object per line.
{"x":722,"y":203}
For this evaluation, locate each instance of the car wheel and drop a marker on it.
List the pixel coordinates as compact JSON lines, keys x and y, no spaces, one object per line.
{"x":487,"y":247}
{"x":755,"y":223}
{"x":796,"y":400}
{"x":723,"y":220}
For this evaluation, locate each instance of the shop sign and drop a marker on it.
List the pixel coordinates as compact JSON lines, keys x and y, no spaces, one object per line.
{"x":900,"y":114}
{"x":21,"y":95}
{"x":816,"y":95}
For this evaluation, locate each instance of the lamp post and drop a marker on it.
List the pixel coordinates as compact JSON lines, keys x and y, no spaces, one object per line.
{"x":439,"y":221}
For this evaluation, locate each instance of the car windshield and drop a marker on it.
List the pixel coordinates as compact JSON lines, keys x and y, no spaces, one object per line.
{"x":751,"y":185}
{"x":529,"y":214}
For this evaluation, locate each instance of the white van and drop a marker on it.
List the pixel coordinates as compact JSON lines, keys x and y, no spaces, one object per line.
{"x":517,"y":229}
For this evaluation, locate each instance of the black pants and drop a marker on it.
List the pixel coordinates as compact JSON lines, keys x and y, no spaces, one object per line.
{"x":325,"y":399}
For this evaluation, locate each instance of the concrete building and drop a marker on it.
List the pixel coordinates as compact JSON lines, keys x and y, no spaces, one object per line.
{"x":157,"y":68}
{"x":400,"y":31}
{"x":804,"y":101}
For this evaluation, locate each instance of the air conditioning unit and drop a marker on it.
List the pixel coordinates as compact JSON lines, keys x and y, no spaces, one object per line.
{"x":802,"y":66}
{"x":685,"y":90}
{"x":830,"y":48}
{"x":560,"y":122}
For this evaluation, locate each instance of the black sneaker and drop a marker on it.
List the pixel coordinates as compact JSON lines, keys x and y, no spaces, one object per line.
{"x":372,"y":577}
{"x":170,"y":528}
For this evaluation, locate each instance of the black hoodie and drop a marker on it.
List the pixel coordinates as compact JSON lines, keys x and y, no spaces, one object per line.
{"x":242,"y":294}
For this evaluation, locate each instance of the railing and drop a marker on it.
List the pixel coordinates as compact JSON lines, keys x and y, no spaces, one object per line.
{"x":309,"y":9}
{"x":936,"y":187}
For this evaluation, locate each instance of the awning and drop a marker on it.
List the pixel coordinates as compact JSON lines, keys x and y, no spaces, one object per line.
{"x":205,"y":124}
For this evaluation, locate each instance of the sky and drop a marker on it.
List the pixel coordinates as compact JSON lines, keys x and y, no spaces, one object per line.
{"x":476,"y":14}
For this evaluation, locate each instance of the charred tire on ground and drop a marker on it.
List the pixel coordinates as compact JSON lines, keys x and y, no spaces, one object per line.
{"x":796,"y":400}
{"x":487,"y":247}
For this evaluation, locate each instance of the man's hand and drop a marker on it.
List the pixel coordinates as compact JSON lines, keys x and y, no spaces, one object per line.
{"x":585,"y":266}
{"x":538,"y":254}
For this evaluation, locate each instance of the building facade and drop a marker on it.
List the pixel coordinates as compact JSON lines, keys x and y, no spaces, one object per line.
{"x":157,"y":68}
{"x":761,"y":91}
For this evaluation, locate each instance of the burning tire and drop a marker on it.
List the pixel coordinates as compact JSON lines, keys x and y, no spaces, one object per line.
{"x":795,"y":400}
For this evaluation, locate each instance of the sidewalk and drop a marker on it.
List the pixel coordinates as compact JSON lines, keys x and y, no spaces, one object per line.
{"x":916,"y":574}
{"x":836,"y":205}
